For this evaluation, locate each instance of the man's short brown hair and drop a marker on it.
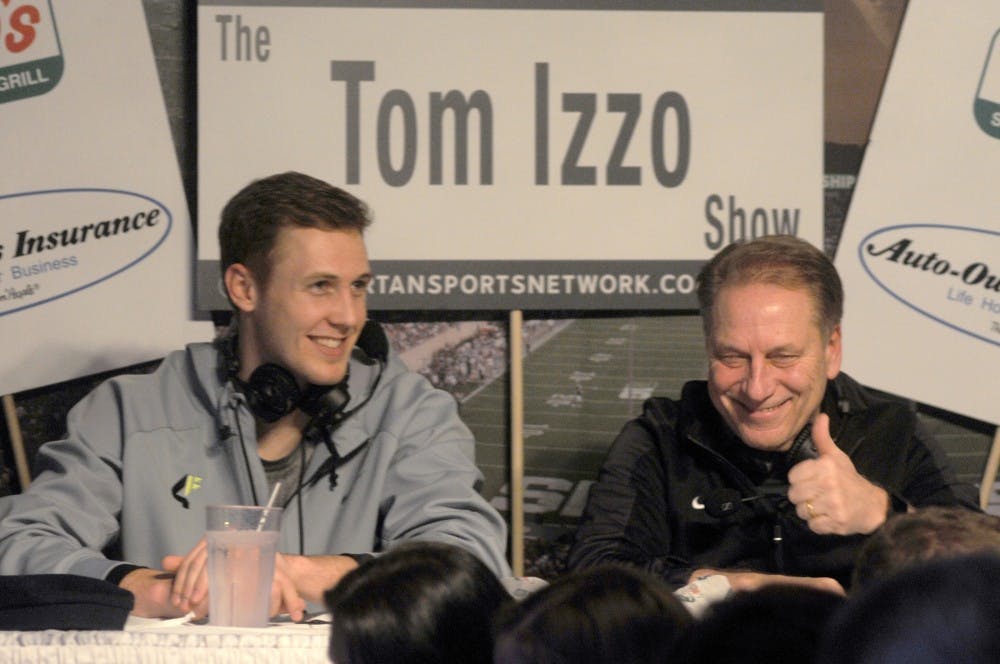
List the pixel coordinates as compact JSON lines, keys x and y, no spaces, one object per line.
{"x":779,"y":260}
{"x":252,"y":218}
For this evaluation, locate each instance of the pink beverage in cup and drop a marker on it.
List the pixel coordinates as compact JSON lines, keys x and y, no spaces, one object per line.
{"x":242,"y":542}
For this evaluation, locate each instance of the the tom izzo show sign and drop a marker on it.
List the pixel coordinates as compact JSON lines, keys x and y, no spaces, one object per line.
{"x":547,"y":155}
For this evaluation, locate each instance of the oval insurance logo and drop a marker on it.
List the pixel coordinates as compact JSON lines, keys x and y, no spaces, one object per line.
{"x":950,"y":274}
{"x":58,"y":242}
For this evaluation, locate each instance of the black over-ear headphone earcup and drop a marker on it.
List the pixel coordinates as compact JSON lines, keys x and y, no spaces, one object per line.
{"x":374,"y":342}
{"x":272,"y":392}
{"x":325,"y":401}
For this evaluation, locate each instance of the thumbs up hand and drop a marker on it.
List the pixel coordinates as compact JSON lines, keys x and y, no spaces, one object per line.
{"x":829,"y":493}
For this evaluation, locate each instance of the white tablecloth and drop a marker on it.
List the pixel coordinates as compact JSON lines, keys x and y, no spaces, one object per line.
{"x":172,"y":642}
{"x":181,"y":642}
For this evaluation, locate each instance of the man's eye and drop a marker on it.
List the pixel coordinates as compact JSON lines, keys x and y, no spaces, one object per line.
{"x":321,"y":286}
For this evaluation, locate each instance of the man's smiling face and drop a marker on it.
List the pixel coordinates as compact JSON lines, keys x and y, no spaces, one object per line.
{"x":309,"y":313}
{"x":769,"y":362}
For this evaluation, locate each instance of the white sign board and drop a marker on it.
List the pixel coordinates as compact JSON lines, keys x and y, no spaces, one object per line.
{"x":920,"y":251}
{"x":95,"y":238}
{"x":545,"y":155}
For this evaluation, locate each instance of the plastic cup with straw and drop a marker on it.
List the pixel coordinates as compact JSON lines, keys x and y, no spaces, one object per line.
{"x":241,"y":564}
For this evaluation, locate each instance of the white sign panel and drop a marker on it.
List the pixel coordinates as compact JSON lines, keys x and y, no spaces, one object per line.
{"x":95,"y":239}
{"x":920,"y":252}
{"x":523,"y":155}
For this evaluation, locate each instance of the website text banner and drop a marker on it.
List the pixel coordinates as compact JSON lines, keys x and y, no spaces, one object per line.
{"x":529,"y":285}
{"x":920,"y":251}
{"x":556,"y":132}
{"x":95,"y":237}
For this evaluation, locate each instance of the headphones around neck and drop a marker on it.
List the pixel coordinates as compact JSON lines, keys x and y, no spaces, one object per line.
{"x":272,"y":391}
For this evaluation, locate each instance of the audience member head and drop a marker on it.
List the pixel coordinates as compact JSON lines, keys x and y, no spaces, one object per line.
{"x":939,"y":612}
{"x":778,"y":260}
{"x":423,"y":602}
{"x":601,"y":614}
{"x":777,"y":623}
{"x":926,"y":534}
{"x":250,"y":221}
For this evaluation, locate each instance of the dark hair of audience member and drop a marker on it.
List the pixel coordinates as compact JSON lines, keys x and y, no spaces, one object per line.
{"x":926,"y":534}
{"x":940,"y":612}
{"x":602,"y":614}
{"x":424,"y":602}
{"x":776,"y":623}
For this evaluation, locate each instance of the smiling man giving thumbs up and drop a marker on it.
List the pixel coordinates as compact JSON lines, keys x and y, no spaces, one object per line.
{"x":777,"y":467}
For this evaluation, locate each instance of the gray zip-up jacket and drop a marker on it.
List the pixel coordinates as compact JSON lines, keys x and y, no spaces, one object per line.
{"x":145,"y":454}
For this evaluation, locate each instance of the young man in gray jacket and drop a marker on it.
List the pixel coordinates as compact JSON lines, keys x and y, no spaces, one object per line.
{"x":301,"y":391}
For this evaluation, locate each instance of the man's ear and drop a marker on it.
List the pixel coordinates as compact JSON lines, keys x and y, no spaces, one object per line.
{"x":241,"y":287}
{"x":834,"y":353}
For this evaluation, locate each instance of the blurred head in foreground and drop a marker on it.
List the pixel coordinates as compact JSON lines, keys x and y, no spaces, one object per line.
{"x":940,"y":612}
{"x":602,"y":614}
{"x":421,"y":602}
{"x":777,"y":623}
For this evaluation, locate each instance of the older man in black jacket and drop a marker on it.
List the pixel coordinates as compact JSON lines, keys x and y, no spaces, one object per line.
{"x":778,"y":466}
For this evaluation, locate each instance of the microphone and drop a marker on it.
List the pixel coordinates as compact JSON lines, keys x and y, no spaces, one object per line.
{"x":725,"y":502}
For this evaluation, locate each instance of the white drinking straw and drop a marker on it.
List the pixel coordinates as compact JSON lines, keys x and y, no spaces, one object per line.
{"x":270,"y":504}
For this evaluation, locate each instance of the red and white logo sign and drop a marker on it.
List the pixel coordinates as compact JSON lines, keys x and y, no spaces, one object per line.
{"x":31,"y":60}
